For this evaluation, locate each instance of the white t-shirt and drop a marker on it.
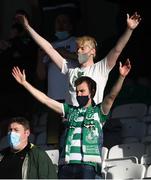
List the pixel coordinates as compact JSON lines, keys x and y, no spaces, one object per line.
{"x":99,"y":72}
{"x":57,"y":82}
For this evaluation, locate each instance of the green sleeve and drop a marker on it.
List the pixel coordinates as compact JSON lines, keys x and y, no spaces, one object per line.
{"x":103,"y":117}
{"x":66,"y":109}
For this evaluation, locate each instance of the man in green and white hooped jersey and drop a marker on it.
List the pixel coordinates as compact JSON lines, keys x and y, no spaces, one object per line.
{"x":84,"y":123}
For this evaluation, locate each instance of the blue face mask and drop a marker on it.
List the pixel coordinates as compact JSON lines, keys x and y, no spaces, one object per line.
{"x":62,"y":35}
{"x":82,"y":100}
{"x":13,"y":139}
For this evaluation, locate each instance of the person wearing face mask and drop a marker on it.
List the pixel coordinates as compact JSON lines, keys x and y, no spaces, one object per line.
{"x":86,"y":51}
{"x":23,"y":160}
{"x":81,"y":155}
{"x":65,"y":43}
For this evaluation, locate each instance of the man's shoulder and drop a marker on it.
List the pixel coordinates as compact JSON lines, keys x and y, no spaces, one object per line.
{"x":37,"y":150}
{"x":101,"y":61}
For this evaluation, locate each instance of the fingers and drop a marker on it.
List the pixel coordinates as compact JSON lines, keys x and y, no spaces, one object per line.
{"x":16,"y":70}
{"x":120,"y":64}
{"x":23,"y":71}
{"x":136,"y":17}
{"x":127,"y":61}
{"x":128,"y":64}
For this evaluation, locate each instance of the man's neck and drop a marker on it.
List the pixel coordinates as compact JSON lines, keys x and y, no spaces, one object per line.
{"x":87,"y":64}
{"x":88,"y":104}
{"x":20,"y":148}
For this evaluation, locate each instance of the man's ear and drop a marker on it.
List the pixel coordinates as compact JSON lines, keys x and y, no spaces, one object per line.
{"x":92,"y":93}
{"x":89,"y":96}
{"x":28,"y":132}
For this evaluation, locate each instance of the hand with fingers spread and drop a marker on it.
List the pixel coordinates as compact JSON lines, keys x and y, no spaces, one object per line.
{"x":18,"y":75}
{"x":125,"y":68}
{"x":133,"y":21}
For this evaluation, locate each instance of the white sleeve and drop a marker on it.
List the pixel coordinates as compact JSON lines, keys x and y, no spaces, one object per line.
{"x":65,"y":68}
{"x":63,"y":113}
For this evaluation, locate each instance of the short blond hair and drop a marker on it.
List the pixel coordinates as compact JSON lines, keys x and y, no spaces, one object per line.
{"x":87,"y":39}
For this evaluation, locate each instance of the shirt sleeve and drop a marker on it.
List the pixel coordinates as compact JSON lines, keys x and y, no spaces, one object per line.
{"x":104,"y":117}
{"x":103,"y":66}
{"x":65,"y":109}
{"x":64,"y":68}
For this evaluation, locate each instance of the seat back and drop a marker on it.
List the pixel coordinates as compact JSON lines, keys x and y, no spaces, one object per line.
{"x":126,"y":150}
{"x":129,"y":110}
{"x":148,"y":172}
{"x":126,"y":171}
{"x":54,"y":155}
{"x":120,"y":161}
{"x":146,"y":159}
{"x":133,"y":129}
{"x":104,"y":153}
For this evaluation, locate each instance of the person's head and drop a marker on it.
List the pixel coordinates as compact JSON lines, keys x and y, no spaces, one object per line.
{"x":86,"y":48}
{"x":63,"y":26}
{"x":18,"y":133}
{"x":85,"y":90}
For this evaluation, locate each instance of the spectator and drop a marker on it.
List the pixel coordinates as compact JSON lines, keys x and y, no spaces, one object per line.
{"x":23,"y":160}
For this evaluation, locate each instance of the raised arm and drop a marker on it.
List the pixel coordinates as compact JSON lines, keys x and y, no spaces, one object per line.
{"x":109,"y":99}
{"x":40,"y":96}
{"x":132,"y":23}
{"x":43,"y":43}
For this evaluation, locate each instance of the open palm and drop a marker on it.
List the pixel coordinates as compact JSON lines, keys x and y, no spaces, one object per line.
{"x":18,"y":75}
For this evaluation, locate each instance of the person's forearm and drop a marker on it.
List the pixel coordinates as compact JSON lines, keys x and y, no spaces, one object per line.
{"x":123,"y":40}
{"x":117,"y":87}
{"x":117,"y":49}
{"x":109,"y":98}
{"x":121,"y":43}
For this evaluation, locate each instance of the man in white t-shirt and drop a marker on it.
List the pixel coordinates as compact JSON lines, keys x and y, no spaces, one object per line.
{"x":86,"y":53}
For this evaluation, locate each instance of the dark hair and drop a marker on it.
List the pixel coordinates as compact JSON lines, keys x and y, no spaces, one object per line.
{"x":20,"y":120}
{"x":90,"y":82}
